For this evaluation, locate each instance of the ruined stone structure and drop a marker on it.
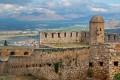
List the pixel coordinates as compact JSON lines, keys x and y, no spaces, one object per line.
{"x":96,"y":30}
{"x":60,"y":36}
{"x":99,"y":59}
{"x":83,"y":36}
{"x":96,"y":34}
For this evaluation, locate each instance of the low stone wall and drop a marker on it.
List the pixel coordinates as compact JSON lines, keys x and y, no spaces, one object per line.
{"x":15,"y":51}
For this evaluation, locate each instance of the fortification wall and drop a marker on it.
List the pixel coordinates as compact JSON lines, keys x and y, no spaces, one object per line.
{"x":74,"y":62}
{"x":99,"y":61}
{"x":108,"y":37}
{"x":114,"y":61}
{"x":15,"y":50}
{"x":112,"y":38}
{"x":77,"y":36}
{"x":60,"y":36}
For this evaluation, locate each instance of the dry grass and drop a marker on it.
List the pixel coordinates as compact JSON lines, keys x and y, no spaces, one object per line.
{"x":66,"y":45}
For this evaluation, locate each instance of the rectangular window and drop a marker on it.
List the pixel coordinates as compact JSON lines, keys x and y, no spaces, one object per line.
{"x":45,"y":35}
{"x":52,"y":35}
{"x":85,"y":34}
{"x":101,"y":63}
{"x":64,"y":34}
{"x":71,"y":34}
{"x":116,"y":63}
{"x":114,"y":37}
{"x":108,"y":37}
{"x":90,"y":64}
{"x":76,"y":34}
{"x":100,"y":29}
{"x":59,"y":35}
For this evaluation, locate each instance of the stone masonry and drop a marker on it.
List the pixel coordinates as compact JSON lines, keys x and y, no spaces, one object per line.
{"x":102,"y":57}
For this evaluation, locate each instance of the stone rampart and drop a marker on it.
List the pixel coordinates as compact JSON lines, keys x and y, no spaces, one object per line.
{"x":77,"y":36}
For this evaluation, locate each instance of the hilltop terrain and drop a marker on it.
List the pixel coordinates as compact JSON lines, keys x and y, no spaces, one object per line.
{"x":112,"y":24}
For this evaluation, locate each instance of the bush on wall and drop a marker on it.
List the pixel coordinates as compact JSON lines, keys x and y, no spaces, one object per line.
{"x":56,"y":67}
{"x":117,"y":76}
{"x":89,"y":73}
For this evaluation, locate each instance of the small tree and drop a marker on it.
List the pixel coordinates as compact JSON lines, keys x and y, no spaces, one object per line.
{"x":5,"y":43}
{"x":117,"y":76}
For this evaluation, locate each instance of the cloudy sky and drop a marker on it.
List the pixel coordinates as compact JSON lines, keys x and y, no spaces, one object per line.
{"x":58,"y":9}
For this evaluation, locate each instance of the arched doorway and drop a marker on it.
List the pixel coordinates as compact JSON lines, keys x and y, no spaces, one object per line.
{"x":26,"y":53}
{"x":12,"y":53}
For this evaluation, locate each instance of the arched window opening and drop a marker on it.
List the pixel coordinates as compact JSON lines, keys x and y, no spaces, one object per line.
{"x":52,"y":35}
{"x":85,"y":35}
{"x":58,"y":35}
{"x":100,"y":29}
{"x":114,"y":37}
{"x":109,"y":37}
{"x":26,"y":53}
{"x":40,"y":65}
{"x":12,"y":53}
{"x":33,"y":65}
{"x":45,"y":35}
{"x":76,"y":34}
{"x":64,"y":34}
{"x":26,"y":66}
{"x":71,"y":34}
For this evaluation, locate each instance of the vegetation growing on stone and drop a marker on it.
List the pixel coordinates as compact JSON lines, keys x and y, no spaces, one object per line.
{"x":117,"y":76}
{"x":89,"y":73}
{"x":56,"y":67}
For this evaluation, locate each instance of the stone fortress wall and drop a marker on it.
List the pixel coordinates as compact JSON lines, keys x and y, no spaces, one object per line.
{"x":15,"y":50}
{"x":41,"y":63}
{"x":77,"y":36}
{"x":74,"y":63}
{"x":60,"y":36}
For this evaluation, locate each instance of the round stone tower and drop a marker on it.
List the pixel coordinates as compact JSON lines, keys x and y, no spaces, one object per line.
{"x":96,"y":29}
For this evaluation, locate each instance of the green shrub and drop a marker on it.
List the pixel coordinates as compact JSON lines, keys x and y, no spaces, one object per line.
{"x":1,"y":78}
{"x":56,"y":67}
{"x":117,"y":76}
{"x":5,"y":43}
{"x":89,"y":73}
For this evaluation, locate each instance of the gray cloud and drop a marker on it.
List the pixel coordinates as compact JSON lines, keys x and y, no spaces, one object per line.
{"x":54,"y":10}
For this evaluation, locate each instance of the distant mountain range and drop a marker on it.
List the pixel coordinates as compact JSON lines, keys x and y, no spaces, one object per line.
{"x":76,"y":24}
{"x":112,"y":24}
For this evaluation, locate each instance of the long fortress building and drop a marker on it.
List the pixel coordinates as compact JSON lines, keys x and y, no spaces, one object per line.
{"x":100,"y":60}
{"x":95,"y":33}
